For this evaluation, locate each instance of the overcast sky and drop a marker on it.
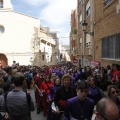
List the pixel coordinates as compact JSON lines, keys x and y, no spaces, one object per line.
{"x":54,"y":14}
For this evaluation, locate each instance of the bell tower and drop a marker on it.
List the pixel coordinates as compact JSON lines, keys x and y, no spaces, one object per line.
{"x":6,"y":4}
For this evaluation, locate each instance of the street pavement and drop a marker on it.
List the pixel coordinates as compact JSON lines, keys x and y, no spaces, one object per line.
{"x":34,"y":114}
{"x":40,"y":116}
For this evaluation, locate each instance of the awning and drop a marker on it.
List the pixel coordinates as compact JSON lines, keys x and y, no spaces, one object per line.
{"x":96,"y":63}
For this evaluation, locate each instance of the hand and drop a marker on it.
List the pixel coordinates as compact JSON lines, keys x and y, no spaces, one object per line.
{"x":43,"y":91}
{"x":6,"y":115}
{"x":28,"y":91}
{"x":57,"y":110}
{"x":50,"y":100}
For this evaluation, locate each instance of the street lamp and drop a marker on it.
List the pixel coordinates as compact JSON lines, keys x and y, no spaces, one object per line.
{"x":84,"y":27}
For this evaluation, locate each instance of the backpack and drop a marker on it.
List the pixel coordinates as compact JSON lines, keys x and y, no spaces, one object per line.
{"x":28,"y":77}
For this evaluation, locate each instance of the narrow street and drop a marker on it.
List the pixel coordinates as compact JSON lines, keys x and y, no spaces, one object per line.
{"x":34,"y":115}
{"x":40,"y":116}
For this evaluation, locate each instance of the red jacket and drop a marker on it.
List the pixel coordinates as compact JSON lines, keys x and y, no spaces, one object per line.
{"x":116,"y":72}
{"x":45,"y":87}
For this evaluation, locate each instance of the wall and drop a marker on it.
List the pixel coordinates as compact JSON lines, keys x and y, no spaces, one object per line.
{"x":107,"y":23}
{"x":16,"y":40}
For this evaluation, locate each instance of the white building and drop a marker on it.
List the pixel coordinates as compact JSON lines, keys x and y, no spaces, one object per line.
{"x":16,"y":34}
{"x":64,"y":56}
{"x":44,"y":48}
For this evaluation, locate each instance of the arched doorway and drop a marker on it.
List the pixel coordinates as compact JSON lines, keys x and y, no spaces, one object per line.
{"x":3,"y":60}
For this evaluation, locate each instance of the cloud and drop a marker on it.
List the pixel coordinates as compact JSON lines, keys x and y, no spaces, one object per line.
{"x":55,"y":14}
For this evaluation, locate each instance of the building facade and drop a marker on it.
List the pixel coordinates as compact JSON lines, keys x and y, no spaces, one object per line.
{"x":98,"y":32}
{"x":16,"y":35}
{"x":45,"y":48}
{"x":73,"y":36}
{"x":23,"y":39}
{"x":107,"y":31}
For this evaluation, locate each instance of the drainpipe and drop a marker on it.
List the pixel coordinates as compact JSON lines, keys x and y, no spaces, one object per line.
{"x":92,"y":20}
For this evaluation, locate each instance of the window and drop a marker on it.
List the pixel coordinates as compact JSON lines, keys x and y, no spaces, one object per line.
{"x":88,"y":9}
{"x":80,"y":44}
{"x":43,"y":57}
{"x":1,"y":3}
{"x":87,"y":40}
{"x":106,"y":2}
{"x":81,"y":20}
{"x":111,"y":47}
{"x":80,"y":1}
{"x":51,"y":58}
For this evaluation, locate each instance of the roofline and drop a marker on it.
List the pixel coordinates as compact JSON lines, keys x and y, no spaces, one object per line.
{"x":9,"y":10}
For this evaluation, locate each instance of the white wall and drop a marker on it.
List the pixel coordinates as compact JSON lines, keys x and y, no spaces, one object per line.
{"x":19,"y":30}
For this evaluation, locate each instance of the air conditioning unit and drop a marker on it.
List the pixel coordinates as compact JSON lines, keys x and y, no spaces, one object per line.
{"x":118,"y":8}
{"x":89,"y":52}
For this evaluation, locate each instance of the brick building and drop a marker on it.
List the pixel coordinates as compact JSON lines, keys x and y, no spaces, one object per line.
{"x":107,"y":31}
{"x":98,"y":42}
{"x":73,"y":34}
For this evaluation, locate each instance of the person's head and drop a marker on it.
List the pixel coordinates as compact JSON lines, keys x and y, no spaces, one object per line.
{"x":66,"y":80}
{"x":90,"y":81}
{"x":116,"y":67}
{"x":113,"y":92}
{"x":94,"y":74}
{"x":41,"y":72}
{"x":82,"y":90}
{"x":6,"y":86}
{"x":18,"y":79}
{"x":57,"y":80}
{"x":106,"y":109}
{"x":48,"y":78}
{"x":88,"y":68}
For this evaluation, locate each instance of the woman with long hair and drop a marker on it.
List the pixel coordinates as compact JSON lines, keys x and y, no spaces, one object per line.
{"x":113,"y":93}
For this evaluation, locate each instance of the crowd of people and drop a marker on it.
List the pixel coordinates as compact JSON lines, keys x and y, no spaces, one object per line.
{"x":62,"y":92}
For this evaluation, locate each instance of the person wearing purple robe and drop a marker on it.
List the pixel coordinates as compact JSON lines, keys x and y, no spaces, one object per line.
{"x":79,"y":107}
{"x":93,"y":91}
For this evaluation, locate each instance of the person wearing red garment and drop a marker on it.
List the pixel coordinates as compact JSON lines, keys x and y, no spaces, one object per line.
{"x":45,"y":89}
{"x":38,"y":79}
{"x":116,"y":72}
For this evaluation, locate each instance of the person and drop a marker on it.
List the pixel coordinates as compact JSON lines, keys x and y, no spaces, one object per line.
{"x":14,"y":64}
{"x":118,"y":81}
{"x":17,"y":104}
{"x":106,"y":109}
{"x":79,"y":107}
{"x":38,"y":79}
{"x":93,"y":91}
{"x":57,"y":83}
{"x":113,"y":93}
{"x":45,"y":89}
{"x":116,"y":71}
{"x":63,"y":93}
